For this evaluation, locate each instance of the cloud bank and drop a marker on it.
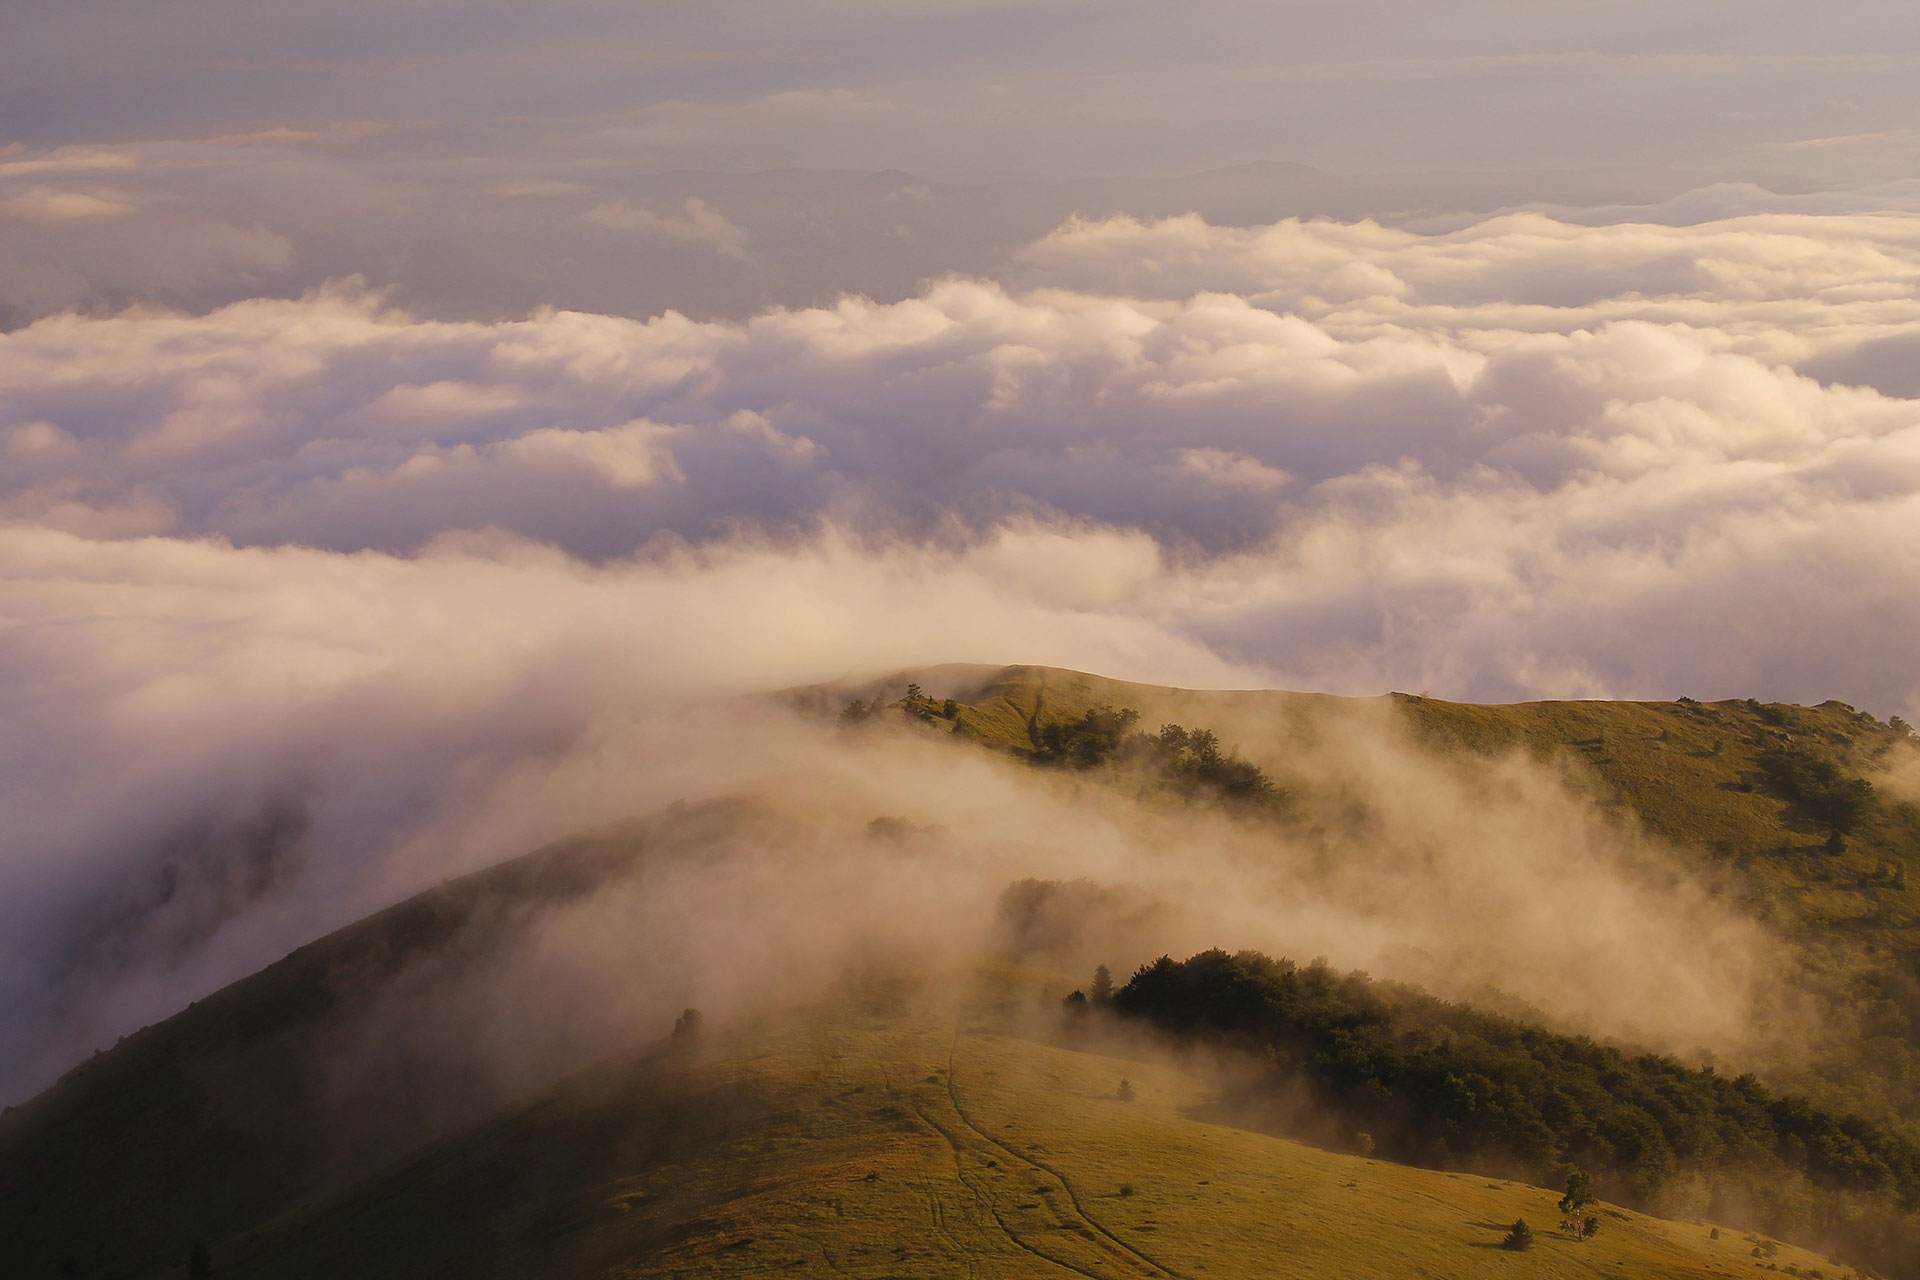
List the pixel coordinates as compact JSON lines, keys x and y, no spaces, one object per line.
{"x":1522,"y":458}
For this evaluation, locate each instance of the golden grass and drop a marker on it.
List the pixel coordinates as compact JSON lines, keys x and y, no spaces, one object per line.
{"x":934,"y":1144}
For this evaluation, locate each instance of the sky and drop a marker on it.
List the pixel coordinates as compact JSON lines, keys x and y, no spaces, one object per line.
{"x":393,"y":396}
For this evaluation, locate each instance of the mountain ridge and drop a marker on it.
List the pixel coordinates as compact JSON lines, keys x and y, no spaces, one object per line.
{"x":237,"y":1058}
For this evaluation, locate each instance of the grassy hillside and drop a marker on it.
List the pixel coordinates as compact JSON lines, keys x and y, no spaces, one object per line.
{"x":1691,"y":773}
{"x":929,"y":1143}
{"x":1688,"y":772}
{"x":1696,"y":778}
{"x":917,"y":1140}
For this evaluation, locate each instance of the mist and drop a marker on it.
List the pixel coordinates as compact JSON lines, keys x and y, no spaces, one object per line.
{"x":829,"y":850}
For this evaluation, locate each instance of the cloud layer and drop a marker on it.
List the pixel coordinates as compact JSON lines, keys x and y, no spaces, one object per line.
{"x":1526,"y":457}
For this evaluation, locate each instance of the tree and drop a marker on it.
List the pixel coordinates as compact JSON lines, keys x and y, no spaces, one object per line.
{"x":1519,"y":1237}
{"x":687,"y":1025}
{"x":1102,"y":985}
{"x":1086,"y":743}
{"x":1194,"y":755}
{"x":1125,"y":1091}
{"x":914,"y":693}
{"x":1075,"y":1002}
{"x":949,"y":709}
{"x":1574,"y":1216}
{"x":1819,"y":787}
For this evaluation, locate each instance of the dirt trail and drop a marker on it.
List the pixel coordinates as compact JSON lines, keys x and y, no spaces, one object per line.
{"x":1142,"y":1263}
{"x":996,"y":1182}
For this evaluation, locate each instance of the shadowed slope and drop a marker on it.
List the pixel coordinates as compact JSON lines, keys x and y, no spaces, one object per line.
{"x":234,"y":1108}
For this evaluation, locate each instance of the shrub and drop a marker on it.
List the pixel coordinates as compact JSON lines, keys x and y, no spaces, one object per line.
{"x":1818,"y":786}
{"x":1519,"y":1237}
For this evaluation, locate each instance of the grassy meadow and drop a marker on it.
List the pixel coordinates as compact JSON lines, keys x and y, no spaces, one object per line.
{"x":930,"y":1142}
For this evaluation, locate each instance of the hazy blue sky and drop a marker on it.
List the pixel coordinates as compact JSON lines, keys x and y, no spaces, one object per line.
{"x":966,"y":90}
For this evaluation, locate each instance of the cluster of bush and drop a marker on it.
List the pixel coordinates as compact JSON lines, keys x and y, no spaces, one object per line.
{"x":1096,"y":738}
{"x":1103,"y":736}
{"x":1446,"y":1085}
{"x":1818,"y":786}
{"x":916,"y":704}
{"x":1193,"y":757}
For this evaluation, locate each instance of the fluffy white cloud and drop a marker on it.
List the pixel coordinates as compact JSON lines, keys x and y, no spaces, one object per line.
{"x":1331,"y":430}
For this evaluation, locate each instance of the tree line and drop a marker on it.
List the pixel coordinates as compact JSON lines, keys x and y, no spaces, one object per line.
{"x":1448,"y":1086}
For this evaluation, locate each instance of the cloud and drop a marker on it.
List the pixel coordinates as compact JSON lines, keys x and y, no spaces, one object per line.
{"x":46,"y":204}
{"x":1370,"y":457}
{"x":489,"y":219}
{"x":697,"y":224}
{"x":340,"y":133}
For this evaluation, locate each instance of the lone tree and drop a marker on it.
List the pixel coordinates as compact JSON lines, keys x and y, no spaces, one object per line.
{"x":1102,"y":985}
{"x":1125,"y":1091}
{"x":1519,"y":1237}
{"x":687,"y":1025}
{"x":1576,"y":1218}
